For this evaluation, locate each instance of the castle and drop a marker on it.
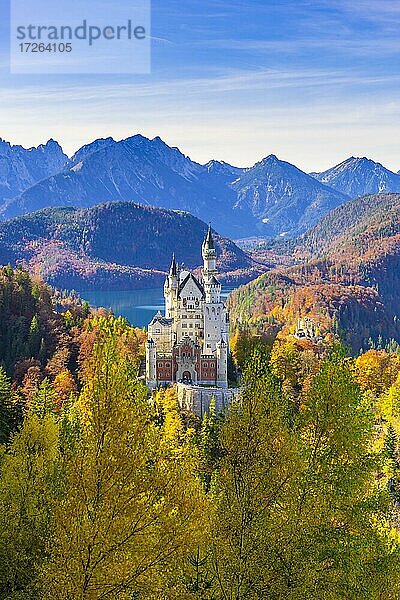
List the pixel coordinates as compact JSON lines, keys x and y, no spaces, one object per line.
{"x":190,"y":344}
{"x":307,"y":330}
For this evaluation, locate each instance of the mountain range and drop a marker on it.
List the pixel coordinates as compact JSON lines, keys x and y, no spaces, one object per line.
{"x":114,"y":246}
{"x":142,"y":171}
{"x":272,"y":198}
{"x":284,"y":198}
{"x":110,"y":217}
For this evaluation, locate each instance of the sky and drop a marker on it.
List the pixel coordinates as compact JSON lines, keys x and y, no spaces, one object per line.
{"x":312,"y":81}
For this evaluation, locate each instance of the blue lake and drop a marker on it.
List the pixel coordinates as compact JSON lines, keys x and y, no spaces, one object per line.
{"x":138,"y":306}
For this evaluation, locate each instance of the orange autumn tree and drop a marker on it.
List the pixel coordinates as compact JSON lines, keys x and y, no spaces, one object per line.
{"x":99,"y":326}
{"x":65,"y":386}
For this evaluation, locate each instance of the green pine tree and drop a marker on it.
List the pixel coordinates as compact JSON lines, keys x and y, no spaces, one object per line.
{"x":44,"y":402}
{"x":34,"y":337}
{"x":209,"y":444}
{"x":10,"y":409}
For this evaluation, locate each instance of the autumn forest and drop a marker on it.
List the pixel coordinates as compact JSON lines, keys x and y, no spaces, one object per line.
{"x":292,"y":493}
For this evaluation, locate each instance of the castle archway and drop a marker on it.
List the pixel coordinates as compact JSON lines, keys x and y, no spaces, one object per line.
{"x":187,"y":377}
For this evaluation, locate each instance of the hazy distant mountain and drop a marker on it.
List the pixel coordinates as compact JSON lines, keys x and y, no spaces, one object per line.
{"x":222,"y":169}
{"x":116,"y":245}
{"x":20,"y":168}
{"x":360,"y":176}
{"x":284,"y":198}
{"x":88,"y":149}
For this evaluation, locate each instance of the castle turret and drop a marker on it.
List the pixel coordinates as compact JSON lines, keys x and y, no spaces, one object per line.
{"x":212,"y":287}
{"x":151,"y":364}
{"x":214,"y":308}
{"x":166,"y":286}
{"x":171,"y":288}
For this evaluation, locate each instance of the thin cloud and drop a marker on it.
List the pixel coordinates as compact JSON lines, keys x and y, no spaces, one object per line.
{"x":364,"y":47}
{"x":237,"y":80}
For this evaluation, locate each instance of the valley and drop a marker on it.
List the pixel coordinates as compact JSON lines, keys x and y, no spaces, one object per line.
{"x":108,"y":219}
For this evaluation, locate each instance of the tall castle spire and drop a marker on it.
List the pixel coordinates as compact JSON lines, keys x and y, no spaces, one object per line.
{"x":173,"y":269}
{"x":209,"y":240}
{"x":209,"y":255}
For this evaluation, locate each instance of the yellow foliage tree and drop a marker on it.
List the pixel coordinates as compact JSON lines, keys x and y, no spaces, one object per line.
{"x":243,"y":344}
{"x":29,"y":480}
{"x":377,"y":370}
{"x":299,"y":512}
{"x":133,"y":509}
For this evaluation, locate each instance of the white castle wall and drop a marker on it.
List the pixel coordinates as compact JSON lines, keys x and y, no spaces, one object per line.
{"x":198,"y":399}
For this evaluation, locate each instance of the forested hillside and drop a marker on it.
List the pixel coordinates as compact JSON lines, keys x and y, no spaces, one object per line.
{"x":363,"y":240}
{"x":36,"y":327}
{"x":38,"y":343}
{"x":114,"y":246}
{"x":343,"y":273}
{"x":42,"y":343}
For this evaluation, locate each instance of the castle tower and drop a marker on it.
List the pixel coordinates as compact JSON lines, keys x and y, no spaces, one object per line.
{"x":151,"y":364}
{"x":214,"y":308}
{"x":212,"y":287}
